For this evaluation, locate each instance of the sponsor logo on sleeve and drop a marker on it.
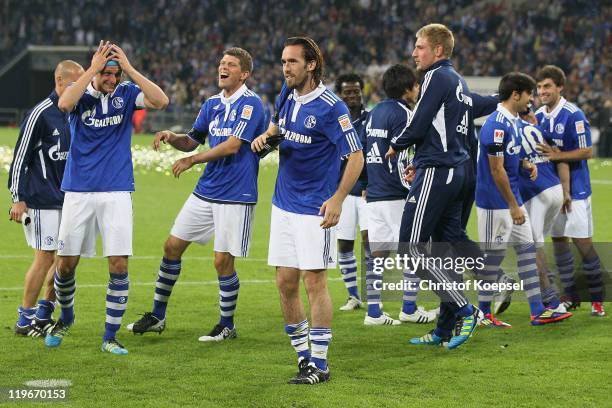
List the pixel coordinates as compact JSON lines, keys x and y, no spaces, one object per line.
{"x":247,"y":111}
{"x":345,"y":123}
{"x":580,"y":126}
{"x":498,"y":136}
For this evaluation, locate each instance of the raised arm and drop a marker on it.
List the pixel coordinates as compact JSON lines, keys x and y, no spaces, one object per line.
{"x":70,"y":97}
{"x":154,"y":97}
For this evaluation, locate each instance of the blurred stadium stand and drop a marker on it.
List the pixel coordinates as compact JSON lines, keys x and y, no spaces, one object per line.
{"x":177,"y":43}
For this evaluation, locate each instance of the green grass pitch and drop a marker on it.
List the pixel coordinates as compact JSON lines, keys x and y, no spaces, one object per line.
{"x":568,"y":364}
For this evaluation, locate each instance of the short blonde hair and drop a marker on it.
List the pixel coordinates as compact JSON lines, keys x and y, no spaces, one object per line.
{"x":438,"y":34}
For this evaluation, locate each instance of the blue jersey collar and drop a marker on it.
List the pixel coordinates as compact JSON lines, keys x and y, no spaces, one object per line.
{"x":234,"y":97}
{"x":441,"y":63}
{"x":363,"y":115}
{"x":398,"y":100}
{"x":557,"y":109}
{"x":54,"y":97}
{"x":97,"y":94}
{"x":311,"y":96}
{"x":506,"y":113}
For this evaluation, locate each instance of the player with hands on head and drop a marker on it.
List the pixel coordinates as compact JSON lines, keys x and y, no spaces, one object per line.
{"x":98,"y":183}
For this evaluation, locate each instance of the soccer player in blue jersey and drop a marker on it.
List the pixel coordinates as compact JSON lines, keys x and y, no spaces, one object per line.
{"x":502,"y":218}
{"x":543,"y":198}
{"x":99,"y":181}
{"x":34,"y":180}
{"x":354,"y":210}
{"x":438,"y":128}
{"x":566,"y":126}
{"x":387,"y":191}
{"x":223,"y":202}
{"x":307,"y":199}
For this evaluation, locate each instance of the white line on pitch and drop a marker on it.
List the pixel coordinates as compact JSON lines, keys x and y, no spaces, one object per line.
{"x":146,"y":257}
{"x":601,"y":181}
{"x":186,"y":283}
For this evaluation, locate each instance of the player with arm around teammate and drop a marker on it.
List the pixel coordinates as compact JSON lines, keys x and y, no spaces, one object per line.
{"x":307,"y":200}
{"x":566,"y":126}
{"x":502,"y":218}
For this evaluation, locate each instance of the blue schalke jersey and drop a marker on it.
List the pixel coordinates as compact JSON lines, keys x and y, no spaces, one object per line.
{"x":231,"y":179}
{"x":387,"y":120}
{"x":568,"y":129}
{"x":531,"y":135}
{"x":318,"y":133}
{"x":362,"y":181}
{"x":499,"y":137}
{"x":100,"y":157}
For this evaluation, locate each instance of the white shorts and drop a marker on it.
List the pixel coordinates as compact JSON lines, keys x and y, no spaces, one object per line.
{"x":354,"y":211}
{"x":41,"y":232}
{"x":384,"y":220}
{"x":298,"y":241}
{"x":230,"y":224}
{"x":578,"y":223}
{"x":84,"y":214}
{"x":496,"y":229}
{"x":543,"y":210}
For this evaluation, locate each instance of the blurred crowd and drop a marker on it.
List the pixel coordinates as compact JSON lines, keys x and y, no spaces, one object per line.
{"x":178,"y":42}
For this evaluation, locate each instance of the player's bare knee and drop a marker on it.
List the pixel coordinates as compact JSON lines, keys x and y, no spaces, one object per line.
{"x":224,"y":263}
{"x":288,"y":284}
{"x":44,"y":259}
{"x":174,"y":248}
{"x":315,"y":282}
{"x":117,"y":264}
{"x":66,"y":265}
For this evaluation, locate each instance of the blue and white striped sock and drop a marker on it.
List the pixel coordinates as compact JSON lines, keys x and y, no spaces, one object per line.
{"x":490,"y":273}
{"x":319,"y":340}
{"x":565,"y":265}
{"x":374,"y":309}
{"x":592,"y":272}
{"x":64,"y":292}
{"x":348,"y":268}
{"x":528,"y":273}
{"x":116,"y":303}
{"x":25,"y":316}
{"x":169,"y":271}
{"x":298,"y":333}
{"x":45,"y":309}
{"x":228,"y":297}
{"x":409,"y":305}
